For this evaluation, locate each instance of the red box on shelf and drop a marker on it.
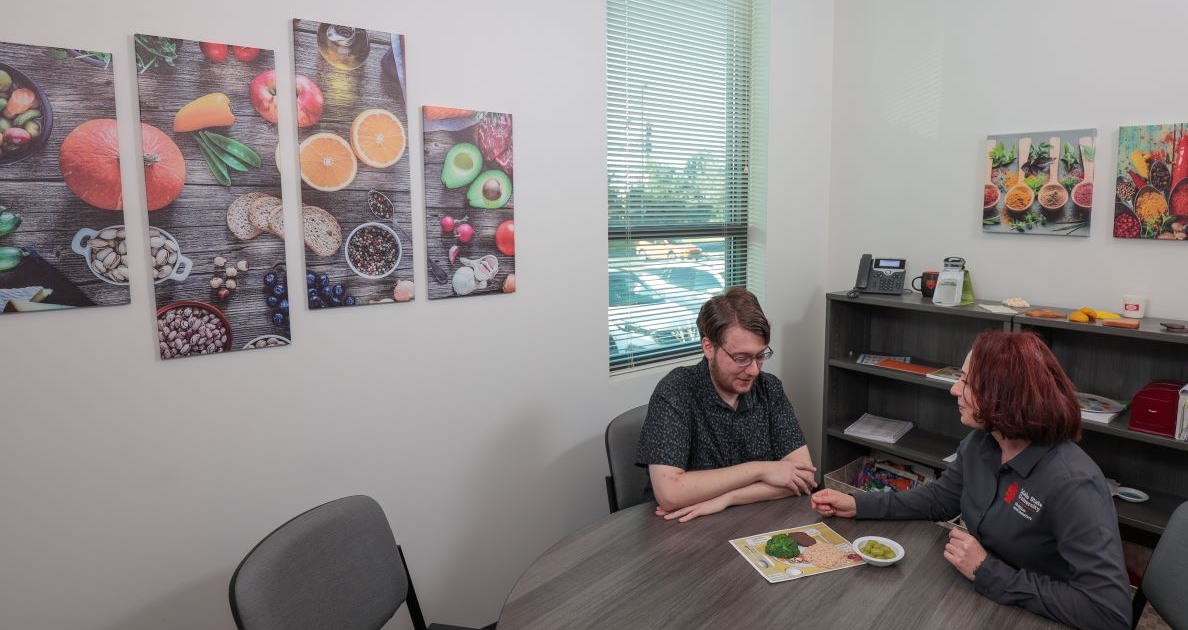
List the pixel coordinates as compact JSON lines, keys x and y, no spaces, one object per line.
{"x":1155,"y":408}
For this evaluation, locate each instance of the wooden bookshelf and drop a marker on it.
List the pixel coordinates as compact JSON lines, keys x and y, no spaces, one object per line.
{"x":1112,"y":362}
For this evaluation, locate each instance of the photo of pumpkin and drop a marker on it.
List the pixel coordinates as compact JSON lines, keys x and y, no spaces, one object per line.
{"x":60,"y":178}
{"x":90,"y":162}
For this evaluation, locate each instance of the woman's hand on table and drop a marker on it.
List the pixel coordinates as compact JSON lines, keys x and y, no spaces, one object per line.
{"x":964,"y":552}
{"x":686,"y":514}
{"x":834,"y":503}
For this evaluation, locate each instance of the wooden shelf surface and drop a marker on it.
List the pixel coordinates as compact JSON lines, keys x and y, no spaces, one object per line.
{"x":1120,"y":426}
{"x":917,"y":445}
{"x":906,"y":377}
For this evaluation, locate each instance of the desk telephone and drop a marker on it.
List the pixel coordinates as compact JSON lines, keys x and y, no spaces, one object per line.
{"x":879,"y":275}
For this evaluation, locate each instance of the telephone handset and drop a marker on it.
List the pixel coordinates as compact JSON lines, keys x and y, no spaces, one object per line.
{"x":879,"y":275}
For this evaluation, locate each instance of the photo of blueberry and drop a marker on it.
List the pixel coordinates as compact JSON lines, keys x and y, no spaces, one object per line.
{"x":280,"y":290}
{"x":284,"y":305}
{"x":270,"y":279}
{"x":272,"y":301}
{"x":310,"y":279}
{"x":349,"y":301}
{"x":278,"y":320}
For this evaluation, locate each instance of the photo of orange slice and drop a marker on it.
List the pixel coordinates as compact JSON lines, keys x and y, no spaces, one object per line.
{"x":377,"y":137}
{"x":327,"y":162}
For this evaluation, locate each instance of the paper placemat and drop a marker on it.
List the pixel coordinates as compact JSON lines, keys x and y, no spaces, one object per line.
{"x":754,"y":550}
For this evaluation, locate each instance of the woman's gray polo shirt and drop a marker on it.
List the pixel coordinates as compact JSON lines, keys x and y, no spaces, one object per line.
{"x":1046,"y":520}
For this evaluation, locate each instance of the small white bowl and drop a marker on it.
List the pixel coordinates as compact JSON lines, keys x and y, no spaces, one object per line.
{"x":248,"y":345}
{"x":879,"y":562}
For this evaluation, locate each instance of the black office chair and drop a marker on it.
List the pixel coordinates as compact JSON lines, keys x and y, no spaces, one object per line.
{"x":1166,"y":574}
{"x":336,"y":566}
{"x":625,"y":485}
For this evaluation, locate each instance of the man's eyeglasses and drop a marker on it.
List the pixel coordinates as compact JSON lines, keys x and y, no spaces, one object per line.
{"x":744,"y":360}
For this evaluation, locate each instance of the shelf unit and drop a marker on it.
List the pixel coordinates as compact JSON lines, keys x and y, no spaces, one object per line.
{"x":1113,"y":362}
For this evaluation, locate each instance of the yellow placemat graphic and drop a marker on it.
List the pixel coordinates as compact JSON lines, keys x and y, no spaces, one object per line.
{"x":828,"y":551}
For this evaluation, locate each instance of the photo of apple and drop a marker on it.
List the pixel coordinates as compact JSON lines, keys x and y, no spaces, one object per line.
{"x":309,"y":98}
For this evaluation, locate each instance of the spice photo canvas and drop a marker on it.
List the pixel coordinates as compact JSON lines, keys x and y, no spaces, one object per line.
{"x":1150,"y":197}
{"x":1039,"y":182}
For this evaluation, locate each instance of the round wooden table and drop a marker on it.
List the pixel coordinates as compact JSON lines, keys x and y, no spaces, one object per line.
{"x":633,"y":569}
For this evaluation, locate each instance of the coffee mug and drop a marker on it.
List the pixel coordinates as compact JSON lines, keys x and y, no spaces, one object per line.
{"x":927,"y":283}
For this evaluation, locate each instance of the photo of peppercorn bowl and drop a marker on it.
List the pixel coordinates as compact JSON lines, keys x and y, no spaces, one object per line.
{"x":373,"y":250}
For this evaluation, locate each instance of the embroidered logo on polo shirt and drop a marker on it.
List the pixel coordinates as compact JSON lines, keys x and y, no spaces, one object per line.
{"x":1022,"y":502}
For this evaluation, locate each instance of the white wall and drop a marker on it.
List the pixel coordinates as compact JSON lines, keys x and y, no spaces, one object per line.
{"x":918,"y":86}
{"x":798,"y":199}
{"x":131,"y":488}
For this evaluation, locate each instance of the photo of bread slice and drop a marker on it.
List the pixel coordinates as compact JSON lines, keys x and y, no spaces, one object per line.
{"x":321,"y":231}
{"x":260,"y":210}
{"x":276,"y":221}
{"x":237,"y":216}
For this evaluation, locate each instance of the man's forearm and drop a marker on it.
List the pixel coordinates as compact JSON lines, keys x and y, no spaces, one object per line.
{"x":757,"y":492}
{"x":682,"y":489}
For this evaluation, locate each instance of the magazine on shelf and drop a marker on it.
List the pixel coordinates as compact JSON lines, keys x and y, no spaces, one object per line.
{"x":878,"y":429}
{"x":914,"y":368}
{"x":1098,"y":409}
{"x":873,"y":359}
{"x":947,"y":374}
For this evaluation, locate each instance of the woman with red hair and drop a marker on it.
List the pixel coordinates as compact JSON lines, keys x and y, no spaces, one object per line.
{"x":1043,"y":533}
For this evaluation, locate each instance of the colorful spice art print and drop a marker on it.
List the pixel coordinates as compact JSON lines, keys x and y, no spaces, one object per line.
{"x":352,"y":121}
{"x":1039,"y":182}
{"x":469,"y":202}
{"x":1150,"y":196}
{"x":209,"y":117}
{"x":62,"y":237}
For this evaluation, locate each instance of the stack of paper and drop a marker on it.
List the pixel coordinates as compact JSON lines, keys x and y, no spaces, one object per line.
{"x":878,"y":429}
{"x":946,"y":374}
{"x":1098,"y":409}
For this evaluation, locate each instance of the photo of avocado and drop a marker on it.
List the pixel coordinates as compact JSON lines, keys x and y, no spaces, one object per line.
{"x":469,"y":205}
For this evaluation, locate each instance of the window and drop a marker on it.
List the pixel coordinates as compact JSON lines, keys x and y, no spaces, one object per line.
{"x":680,"y":84}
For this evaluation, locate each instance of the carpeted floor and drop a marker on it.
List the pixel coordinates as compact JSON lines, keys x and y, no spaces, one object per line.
{"x":1151,"y":620}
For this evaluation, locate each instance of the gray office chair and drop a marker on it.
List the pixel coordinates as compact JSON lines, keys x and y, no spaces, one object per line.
{"x":1166,"y":574}
{"x":335,"y":566}
{"x":625,"y":485}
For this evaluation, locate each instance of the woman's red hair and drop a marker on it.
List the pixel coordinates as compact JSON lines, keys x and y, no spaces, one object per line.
{"x":1020,"y":390}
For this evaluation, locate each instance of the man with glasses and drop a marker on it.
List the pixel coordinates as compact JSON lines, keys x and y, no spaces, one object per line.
{"x":723,"y":432}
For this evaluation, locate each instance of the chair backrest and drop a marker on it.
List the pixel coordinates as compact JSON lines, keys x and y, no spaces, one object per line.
{"x":335,"y":566}
{"x":1167,"y":573}
{"x":627,"y":481}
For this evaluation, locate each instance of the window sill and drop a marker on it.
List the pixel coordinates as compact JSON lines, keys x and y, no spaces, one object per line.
{"x":643,"y":370}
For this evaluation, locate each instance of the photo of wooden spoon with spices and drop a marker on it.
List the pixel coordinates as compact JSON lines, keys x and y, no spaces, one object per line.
{"x":1020,"y":197}
{"x":1082,"y":193}
{"x":991,"y":194}
{"x":1052,"y":195}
